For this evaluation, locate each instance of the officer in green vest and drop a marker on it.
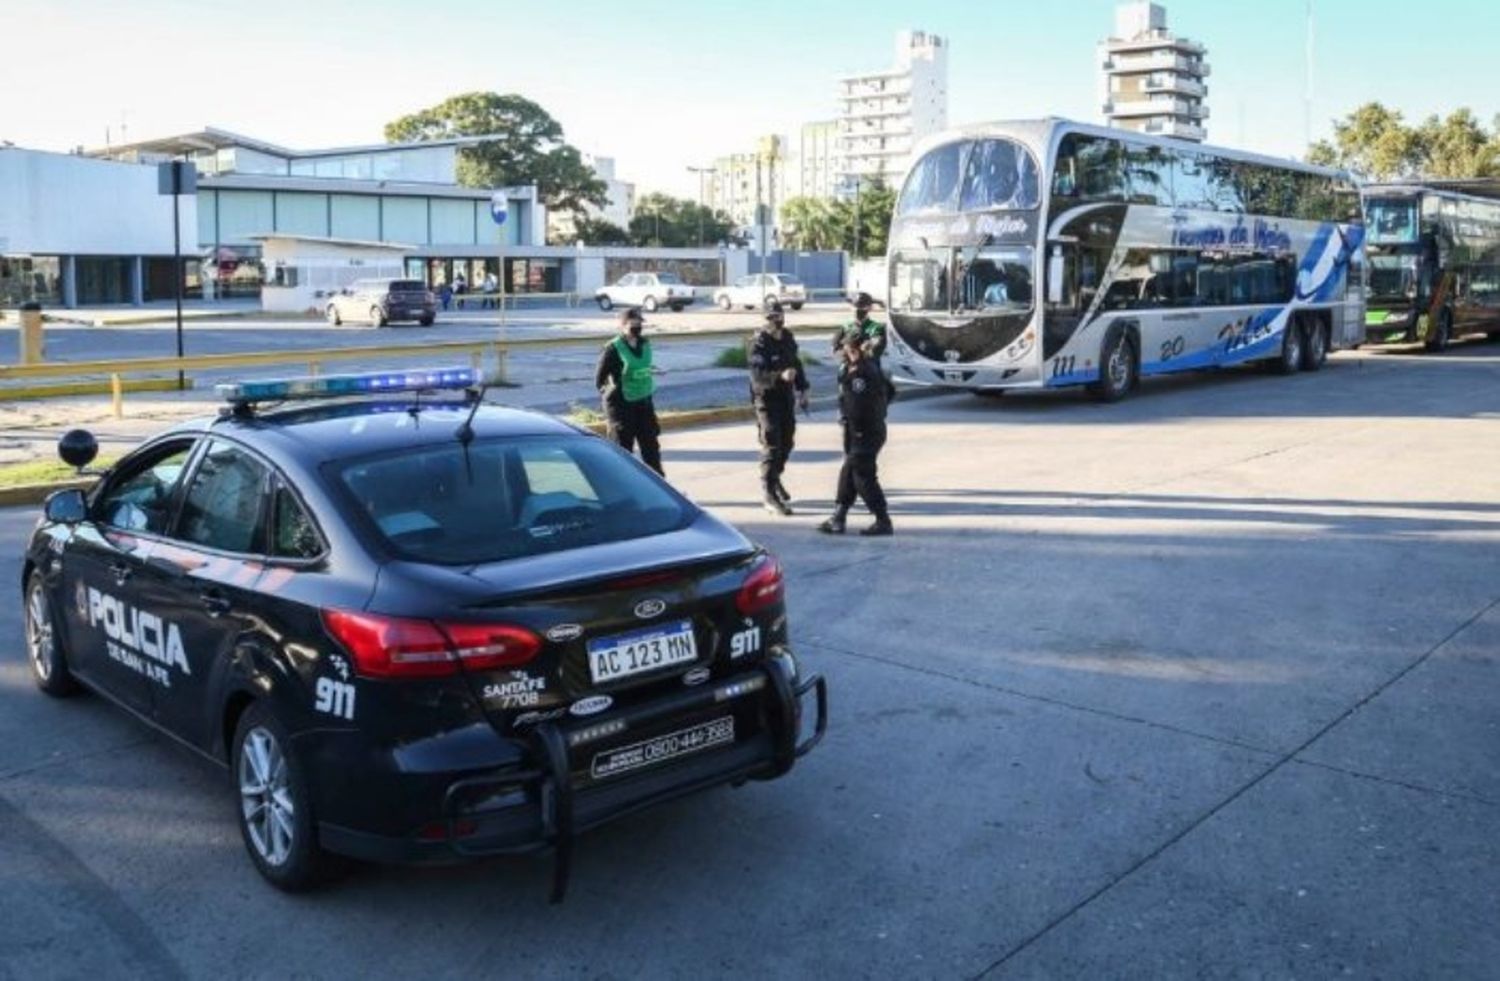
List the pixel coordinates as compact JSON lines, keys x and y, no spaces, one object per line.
{"x":625,"y":383}
{"x":869,"y":331}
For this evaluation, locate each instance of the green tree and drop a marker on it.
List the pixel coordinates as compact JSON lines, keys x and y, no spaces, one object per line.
{"x":810,"y":223}
{"x":662,"y":220}
{"x":528,"y":147}
{"x":596,"y":231}
{"x":1373,"y":142}
{"x":1458,"y":146}
{"x":872,"y":210}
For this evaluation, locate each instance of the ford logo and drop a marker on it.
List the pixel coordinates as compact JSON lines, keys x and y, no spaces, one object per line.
{"x":592,"y":705}
{"x":646,"y":609}
{"x":697,"y":676}
{"x":564,"y":632}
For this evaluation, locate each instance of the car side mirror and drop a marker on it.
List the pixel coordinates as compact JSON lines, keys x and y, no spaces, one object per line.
{"x":77,"y":448}
{"x":66,"y":507}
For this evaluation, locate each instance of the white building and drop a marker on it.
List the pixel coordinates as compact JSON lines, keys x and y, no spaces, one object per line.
{"x":618,"y":211}
{"x":813,"y":161}
{"x":882,"y":114}
{"x":742,"y":182}
{"x":1152,"y":81}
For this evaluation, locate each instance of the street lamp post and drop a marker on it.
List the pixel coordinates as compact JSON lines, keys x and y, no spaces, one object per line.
{"x":700,"y":171}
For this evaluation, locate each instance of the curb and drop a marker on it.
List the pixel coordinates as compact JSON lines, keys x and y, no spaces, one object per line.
{"x":68,"y":389}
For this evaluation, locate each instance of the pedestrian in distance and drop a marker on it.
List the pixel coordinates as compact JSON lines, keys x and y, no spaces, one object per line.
{"x":626,"y":385}
{"x":778,"y":385}
{"x":862,"y":405}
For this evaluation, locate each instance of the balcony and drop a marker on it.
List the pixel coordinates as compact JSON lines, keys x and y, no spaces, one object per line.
{"x":1161,"y":61}
{"x":1175,"y":128}
{"x":877,"y":110}
{"x":1175,"y":84}
{"x":1158,"y":106}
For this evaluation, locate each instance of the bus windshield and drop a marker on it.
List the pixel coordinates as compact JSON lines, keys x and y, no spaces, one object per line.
{"x":1391,"y":220}
{"x":987,"y":281}
{"x":1393,"y":276}
{"x":974,"y":175}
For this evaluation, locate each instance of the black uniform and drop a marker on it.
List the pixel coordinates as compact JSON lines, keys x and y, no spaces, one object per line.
{"x":629,"y":422}
{"x":775,"y":401}
{"x":862,"y":404}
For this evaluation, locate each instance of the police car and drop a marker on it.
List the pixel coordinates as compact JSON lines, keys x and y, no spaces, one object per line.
{"x":415,"y":626}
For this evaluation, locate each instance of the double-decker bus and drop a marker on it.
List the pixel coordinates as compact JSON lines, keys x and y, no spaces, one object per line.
{"x":1048,"y":253}
{"x":1434,"y":256}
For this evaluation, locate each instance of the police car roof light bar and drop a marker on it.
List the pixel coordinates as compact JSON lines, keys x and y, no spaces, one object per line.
{"x":337,"y":386}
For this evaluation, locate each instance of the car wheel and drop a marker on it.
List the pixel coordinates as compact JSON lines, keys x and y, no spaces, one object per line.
{"x":649,"y":304}
{"x":724,"y":304}
{"x":1315,"y":348}
{"x":796,"y":306}
{"x":427,"y":321}
{"x":605,"y":303}
{"x":333,"y":315}
{"x":49,"y":665}
{"x":675,"y":307}
{"x":377,"y":317}
{"x":275,"y":809}
{"x":1439,"y":342}
{"x":1291,"y":349}
{"x":1117,"y":369}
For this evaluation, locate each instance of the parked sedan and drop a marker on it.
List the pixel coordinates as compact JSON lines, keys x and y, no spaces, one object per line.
{"x":762,"y":290}
{"x":647,"y":290}
{"x":382,"y":301}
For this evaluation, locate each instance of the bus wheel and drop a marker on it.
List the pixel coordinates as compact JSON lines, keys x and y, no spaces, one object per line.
{"x":1439,"y":341}
{"x":1292,"y":339}
{"x":1315,"y":346}
{"x":1117,"y":369}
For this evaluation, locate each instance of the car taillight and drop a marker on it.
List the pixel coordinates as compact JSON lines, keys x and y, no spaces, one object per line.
{"x":394,"y":647}
{"x":764,"y":588}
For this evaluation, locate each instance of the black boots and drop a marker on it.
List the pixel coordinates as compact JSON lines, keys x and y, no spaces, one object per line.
{"x":780,"y":491}
{"x":835,"y":524}
{"x":881,"y":528}
{"x":773,"y":501}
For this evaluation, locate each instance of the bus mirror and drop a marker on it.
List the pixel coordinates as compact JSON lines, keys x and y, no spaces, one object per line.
{"x":1056,"y":269}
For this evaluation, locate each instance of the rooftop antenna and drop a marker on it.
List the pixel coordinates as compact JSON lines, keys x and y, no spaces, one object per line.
{"x":465,"y":432}
{"x":1307,"y":101}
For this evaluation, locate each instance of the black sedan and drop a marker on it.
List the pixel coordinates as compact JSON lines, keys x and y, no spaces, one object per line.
{"x":416,"y":627}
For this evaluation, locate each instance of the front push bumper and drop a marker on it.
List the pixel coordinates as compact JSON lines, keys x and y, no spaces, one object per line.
{"x":549,"y":799}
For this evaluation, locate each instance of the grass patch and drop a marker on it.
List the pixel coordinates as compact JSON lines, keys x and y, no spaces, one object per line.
{"x":732,"y":357}
{"x":43,"y":471}
{"x":582,"y":415}
{"x":809,"y":360}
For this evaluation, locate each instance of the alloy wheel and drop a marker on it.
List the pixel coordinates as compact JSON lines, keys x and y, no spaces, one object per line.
{"x":265,"y":796}
{"x":40,"y":643}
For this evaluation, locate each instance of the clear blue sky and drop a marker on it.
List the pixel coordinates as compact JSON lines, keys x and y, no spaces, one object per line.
{"x":663,"y":84}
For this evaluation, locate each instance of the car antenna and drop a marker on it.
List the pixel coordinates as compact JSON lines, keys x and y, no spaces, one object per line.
{"x":465,"y":432}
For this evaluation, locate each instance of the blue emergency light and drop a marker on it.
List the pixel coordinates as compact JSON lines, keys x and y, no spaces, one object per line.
{"x":335,"y":386}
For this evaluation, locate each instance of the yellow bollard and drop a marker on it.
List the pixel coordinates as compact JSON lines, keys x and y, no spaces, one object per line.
{"x":116,"y":396}
{"x":502,"y":355}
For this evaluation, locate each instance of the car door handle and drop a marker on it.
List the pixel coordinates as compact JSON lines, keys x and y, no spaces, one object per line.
{"x":121,"y":571}
{"x":214,"y":602}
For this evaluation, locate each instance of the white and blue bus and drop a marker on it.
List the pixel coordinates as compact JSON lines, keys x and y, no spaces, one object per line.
{"x":1049,"y":253}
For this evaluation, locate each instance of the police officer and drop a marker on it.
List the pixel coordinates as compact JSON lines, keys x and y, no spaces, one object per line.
{"x":626,"y":386}
{"x":862,"y":403}
{"x":870,"y":331}
{"x":777,"y":386}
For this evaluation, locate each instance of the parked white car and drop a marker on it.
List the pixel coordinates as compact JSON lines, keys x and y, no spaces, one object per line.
{"x":647,"y":290}
{"x":762,"y":290}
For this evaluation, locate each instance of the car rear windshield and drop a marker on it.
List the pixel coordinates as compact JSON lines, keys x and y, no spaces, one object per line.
{"x":791,"y":281}
{"x":408,"y":286}
{"x":508,"y":499}
{"x":670,"y":278}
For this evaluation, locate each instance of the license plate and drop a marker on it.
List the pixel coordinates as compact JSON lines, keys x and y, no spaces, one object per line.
{"x":623,"y":655}
{"x":649,"y":752}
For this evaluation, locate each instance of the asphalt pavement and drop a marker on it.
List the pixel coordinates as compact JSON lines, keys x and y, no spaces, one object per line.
{"x":1202,"y":684}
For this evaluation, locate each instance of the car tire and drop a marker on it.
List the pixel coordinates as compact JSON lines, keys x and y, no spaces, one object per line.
{"x":605,"y":303}
{"x":649,"y":304}
{"x":274,"y":806}
{"x":724,"y":304}
{"x":377,"y":317}
{"x":44,"y":648}
{"x":1293,"y":341}
{"x":1315,"y":346}
{"x":796,"y":306}
{"x":1117,"y":368}
{"x":427,"y":321}
{"x":332,"y":314}
{"x":1438,"y":343}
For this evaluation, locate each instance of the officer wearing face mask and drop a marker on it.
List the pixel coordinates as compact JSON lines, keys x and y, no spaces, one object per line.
{"x":624,"y":380}
{"x":778,"y":385}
